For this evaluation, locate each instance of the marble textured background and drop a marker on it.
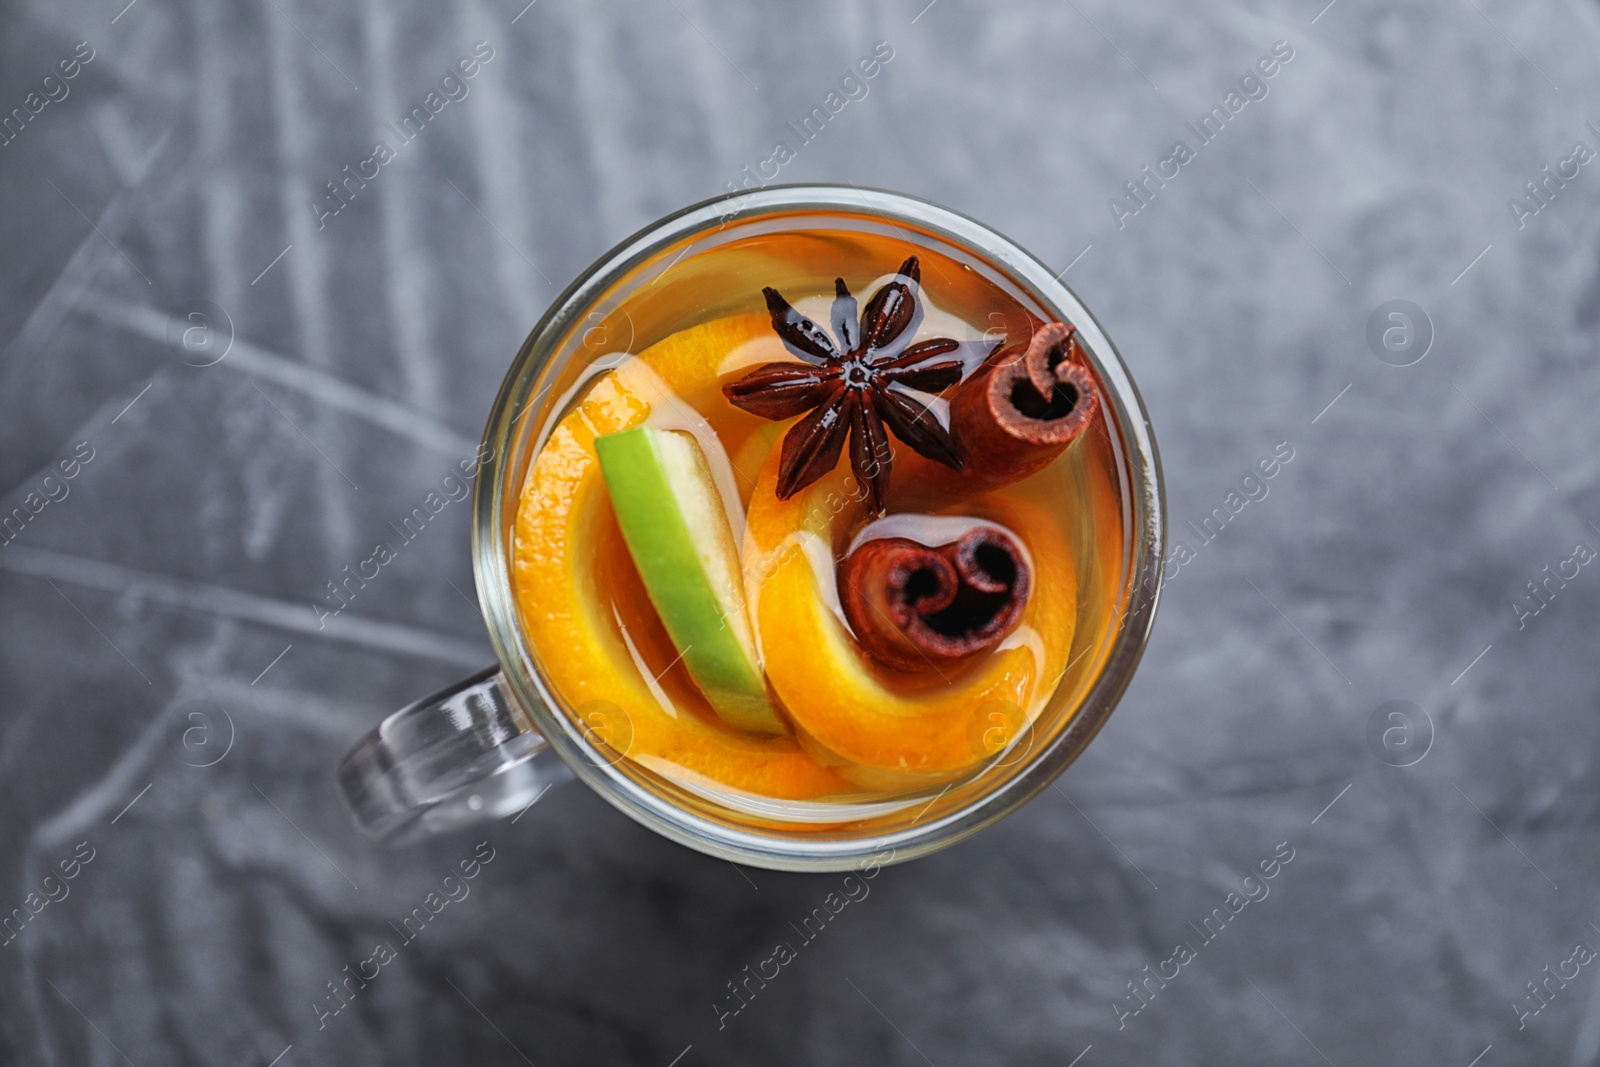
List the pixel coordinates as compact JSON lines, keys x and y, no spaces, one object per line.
{"x":1384,"y":565}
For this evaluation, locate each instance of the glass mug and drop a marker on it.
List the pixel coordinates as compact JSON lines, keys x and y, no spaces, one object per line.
{"x":491,"y":745}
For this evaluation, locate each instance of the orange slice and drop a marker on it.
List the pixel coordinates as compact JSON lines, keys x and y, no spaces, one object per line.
{"x":938,"y":721}
{"x":569,"y":567}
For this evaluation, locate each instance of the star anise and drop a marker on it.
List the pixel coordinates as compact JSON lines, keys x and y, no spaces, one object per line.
{"x":858,"y":384}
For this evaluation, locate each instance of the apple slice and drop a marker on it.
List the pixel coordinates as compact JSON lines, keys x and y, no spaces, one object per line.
{"x":673,"y":521}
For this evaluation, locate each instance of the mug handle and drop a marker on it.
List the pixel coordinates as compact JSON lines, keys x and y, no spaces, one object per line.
{"x":464,"y":755}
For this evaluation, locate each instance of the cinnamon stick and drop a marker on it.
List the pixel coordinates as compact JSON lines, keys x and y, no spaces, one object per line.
{"x":914,"y":606}
{"x":1024,"y":407}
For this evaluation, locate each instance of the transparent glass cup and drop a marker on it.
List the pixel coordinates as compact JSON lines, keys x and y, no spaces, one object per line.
{"x":489,"y":746}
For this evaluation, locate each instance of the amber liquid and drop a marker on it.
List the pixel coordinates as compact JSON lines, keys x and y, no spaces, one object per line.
{"x":599,"y":641}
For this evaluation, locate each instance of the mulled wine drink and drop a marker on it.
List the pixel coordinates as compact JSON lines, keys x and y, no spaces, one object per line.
{"x":825,"y":530}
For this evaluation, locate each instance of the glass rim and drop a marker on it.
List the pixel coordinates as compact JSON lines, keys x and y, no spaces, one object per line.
{"x":494,"y":502}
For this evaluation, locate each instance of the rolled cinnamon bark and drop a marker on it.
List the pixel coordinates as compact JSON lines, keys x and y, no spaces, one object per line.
{"x":915,"y":607}
{"x":1023,"y":408}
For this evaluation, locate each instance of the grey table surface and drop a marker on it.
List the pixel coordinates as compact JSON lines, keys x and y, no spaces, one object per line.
{"x":219,"y":886}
